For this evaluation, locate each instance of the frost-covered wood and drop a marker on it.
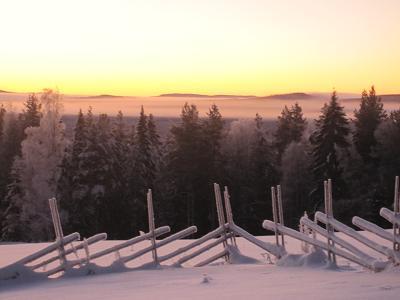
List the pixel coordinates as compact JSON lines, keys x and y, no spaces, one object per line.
{"x":371,"y":227}
{"x":150,"y":212}
{"x":277,"y":251}
{"x":179,"y":235}
{"x":9,"y":271}
{"x":329,"y":214}
{"x":396,"y":208}
{"x":203,"y":249}
{"x":389,"y":215}
{"x":229,"y":214}
{"x":321,"y":217}
{"x":346,"y":245}
{"x":89,"y":241}
{"x":223,"y":253}
{"x":213,"y":234}
{"x":376,"y":266}
{"x":221,"y":214}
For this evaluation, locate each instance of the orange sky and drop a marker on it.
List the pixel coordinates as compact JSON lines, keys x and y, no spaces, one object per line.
{"x":127,"y":47}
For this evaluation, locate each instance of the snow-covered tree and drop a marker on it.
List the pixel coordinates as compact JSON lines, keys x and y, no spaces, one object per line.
{"x":12,"y":132}
{"x":185,"y":180}
{"x":328,"y":140}
{"x":155,"y":143}
{"x":296,"y":181}
{"x":37,"y":172}
{"x":250,"y":171}
{"x":31,"y":114}
{"x":290,"y":127}
{"x":387,"y":151}
{"x":368,"y":117}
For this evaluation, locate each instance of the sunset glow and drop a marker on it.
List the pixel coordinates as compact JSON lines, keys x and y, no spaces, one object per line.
{"x":150,"y":47}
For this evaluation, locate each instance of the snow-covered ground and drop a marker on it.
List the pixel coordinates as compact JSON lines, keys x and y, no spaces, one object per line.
{"x":261,"y":280}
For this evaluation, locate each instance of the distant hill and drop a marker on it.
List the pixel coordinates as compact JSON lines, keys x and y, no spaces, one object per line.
{"x":206,"y":96}
{"x":2,"y":91}
{"x":290,"y":96}
{"x":391,"y":98}
{"x":97,"y":96}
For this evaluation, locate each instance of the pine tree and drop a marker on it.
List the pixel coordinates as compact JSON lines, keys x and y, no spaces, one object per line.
{"x":186,"y":176}
{"x":120,"y":207}
{"x":73,"y":183}
{"x":296,"y":182}
{"x":155,"y":143}
{"x":31,"y":115}
{"x":144,"y":166}
{"x":263,"y":174}
{"x":142,"y":170}
{"x":368,"y":118}
{"x":238,"y":148}
{"x":290,"y":128}
{"x":37,"y":172}
{"x":328,"y":139}
{"x":213,"y":133}
{"x":10,"y":146}
{"x":387,"y":151}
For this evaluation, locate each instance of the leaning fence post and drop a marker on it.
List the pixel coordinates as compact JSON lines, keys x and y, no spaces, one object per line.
{"x":280,"y":209}
{"x":275,"y":214}
{"x":304,"y":229}
{"x":221,"y":216}
{"x":229,"y":214}
{"x":150,"y":212}
{"x":396,"y":208}
{"x":55,"y":216}
{"x":329,"y":215}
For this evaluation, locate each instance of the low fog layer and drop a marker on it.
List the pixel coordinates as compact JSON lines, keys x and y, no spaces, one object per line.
{"x":171,"y":106}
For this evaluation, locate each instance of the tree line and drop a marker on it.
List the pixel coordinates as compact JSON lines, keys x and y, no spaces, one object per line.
{"x":100,"y":176}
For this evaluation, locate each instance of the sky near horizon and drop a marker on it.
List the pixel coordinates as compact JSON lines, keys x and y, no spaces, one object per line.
{"x":144,"y":48}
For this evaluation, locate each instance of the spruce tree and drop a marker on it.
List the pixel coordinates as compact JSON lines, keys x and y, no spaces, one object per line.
{"x":186,"y":176}
{"x":31,"y":114}
{"x":290,"y":127}
{"x":91,"y":173}
{"x":120,"y":208}
{"x":10,"y":146}
{"x":387,"y":151}
{"x":142,"y":171}
{"x":238,"y":148}
{"x":263,"y":175}
{"x":296,"y":182}
{"x":367,"y":119}
{"x":155,"y":143}
{"x":143,"y":164}
{"x":72,"y":185}
{"x":213,"y":133}
{"x":328,"y":139}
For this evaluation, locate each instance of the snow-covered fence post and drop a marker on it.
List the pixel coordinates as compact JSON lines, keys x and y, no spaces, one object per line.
{"x":150,"y":212}
{"x":275,"y":214}
{"x":396,"y":209}
{"x":220,"y":213}
{"x":280,"y":211}
{"x":55,"y":216}
{"x":329,"y":214}
{"x":229,"y":214}
{"x":304,"y":229}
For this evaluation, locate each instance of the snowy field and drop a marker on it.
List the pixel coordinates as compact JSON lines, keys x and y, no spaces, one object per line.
{"x":246,"y":278}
